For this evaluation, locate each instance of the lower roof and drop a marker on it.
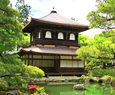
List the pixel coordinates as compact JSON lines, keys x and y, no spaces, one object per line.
{"x":49,"y":50}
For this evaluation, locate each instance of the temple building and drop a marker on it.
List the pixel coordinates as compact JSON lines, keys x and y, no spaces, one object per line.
{"x":53,"y":45}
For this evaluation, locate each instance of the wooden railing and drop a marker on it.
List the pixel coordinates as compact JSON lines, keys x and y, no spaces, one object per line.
{"x":54,"y":42}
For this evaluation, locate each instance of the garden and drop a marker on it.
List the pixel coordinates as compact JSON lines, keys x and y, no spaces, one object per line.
{"x":97,"y":53}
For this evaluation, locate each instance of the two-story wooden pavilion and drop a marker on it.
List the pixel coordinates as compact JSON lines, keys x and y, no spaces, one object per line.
{"x":54,"y":41}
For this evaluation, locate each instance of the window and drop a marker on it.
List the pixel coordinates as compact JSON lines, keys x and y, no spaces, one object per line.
{"x":48,"y":34}
{"x":60,"y":35}
{"x":72,"y":64}
{"x":72,"y":36}
{"x":43,"y":63}
{"x":39,"y":35}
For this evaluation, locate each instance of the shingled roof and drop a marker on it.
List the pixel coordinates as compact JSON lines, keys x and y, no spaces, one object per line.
{"x":49,"y":50}
{"x":55,"y":19}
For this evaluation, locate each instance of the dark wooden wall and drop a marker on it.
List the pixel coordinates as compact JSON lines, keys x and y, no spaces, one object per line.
{"x":54,"y":34}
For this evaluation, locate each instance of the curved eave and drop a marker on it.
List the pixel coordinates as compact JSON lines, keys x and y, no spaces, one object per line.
{"x":59,"y":23}
{"x":22,"y":52}
{"x":30,"y":24}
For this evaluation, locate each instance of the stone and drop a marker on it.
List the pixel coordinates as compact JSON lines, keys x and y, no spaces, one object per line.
{"x":31,"y":82}
{"x":94,"y":79}
{"x":54,"y":80}
{"x":42,"y":80}
{"x":14,"y":92}
{"x":68,"y":80}
{"x":86,"y":81}
{"x":113,"y":82}
{"x":76,"y":80}
{"x":79,"y":87}
{"x":61,"y":80}
{"x":108,"y":80}
{"x":35,"y":81}
{"x":105,"y":80}
{"x":49,"y":80}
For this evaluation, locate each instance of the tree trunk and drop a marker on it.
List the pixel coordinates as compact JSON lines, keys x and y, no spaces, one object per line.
{"x":104,"y":66}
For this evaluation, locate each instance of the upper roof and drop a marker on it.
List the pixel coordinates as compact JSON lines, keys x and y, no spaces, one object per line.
{"x":55,"y":19}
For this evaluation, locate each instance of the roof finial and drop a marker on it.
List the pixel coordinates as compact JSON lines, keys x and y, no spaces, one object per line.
{"x":53,"y":11}
{"x":53,"y":7}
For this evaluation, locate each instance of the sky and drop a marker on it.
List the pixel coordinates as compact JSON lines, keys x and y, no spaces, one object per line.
{"x":77,"y":9}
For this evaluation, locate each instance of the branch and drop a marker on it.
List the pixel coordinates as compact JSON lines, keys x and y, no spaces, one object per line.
{"x":9,"y":12}
{"x":5,"y":11}
{"x":2,"y":23}
{"x":9,"y":75}
{"x":2,"y":9}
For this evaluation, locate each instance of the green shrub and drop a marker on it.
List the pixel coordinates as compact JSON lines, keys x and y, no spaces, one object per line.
{"x":14,"y":72}
{"x":33,"y":71}
{"x":3,"y":84}
{"x":102,"y":72}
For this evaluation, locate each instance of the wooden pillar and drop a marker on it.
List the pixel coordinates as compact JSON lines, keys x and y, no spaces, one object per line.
{"x":66,"y":36}
{"x":76,"y":38}
{"x":32,"y":59}
{"x":59,"y":64}
{"x":54,"y":34}
{"x":41,"y":36}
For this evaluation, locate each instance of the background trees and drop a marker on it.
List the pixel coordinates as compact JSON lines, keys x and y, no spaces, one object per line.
{"x":24,"y":10}
{"x":83,"y":40}
{"x":24,"y":13}
{"x":100,"y":50}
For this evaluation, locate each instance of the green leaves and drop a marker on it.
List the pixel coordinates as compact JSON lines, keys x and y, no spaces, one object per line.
{"x":34,"y":72}
{"x":99,"y":50}
{"x":83,"y":40}
{"x":10,"y":28}
{"x":24,"y":11}
{"x":104,"y":17}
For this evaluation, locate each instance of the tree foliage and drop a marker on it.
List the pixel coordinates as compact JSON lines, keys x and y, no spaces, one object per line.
{"x":104,"y":17}
{"x":24,"y":10}
{"x":83,"y":40}
{"x":73,"y":19}
{"x":101,"y":49}
{"x":10,"y":36}
{"x":15,"y":72}
{"x":10,"y":27}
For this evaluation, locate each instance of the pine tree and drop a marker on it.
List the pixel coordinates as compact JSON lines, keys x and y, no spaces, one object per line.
{"x":10,"y":27}
{"x":10,"y":36}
